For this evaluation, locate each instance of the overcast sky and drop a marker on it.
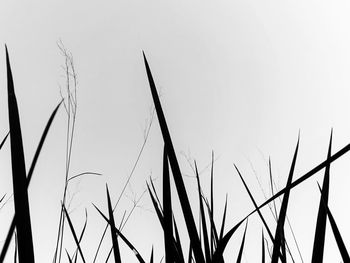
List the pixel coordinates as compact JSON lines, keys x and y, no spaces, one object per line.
{"x":241,"y":78}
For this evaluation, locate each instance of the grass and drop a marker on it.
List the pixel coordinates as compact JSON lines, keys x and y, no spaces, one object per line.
{"x":207,"y":240}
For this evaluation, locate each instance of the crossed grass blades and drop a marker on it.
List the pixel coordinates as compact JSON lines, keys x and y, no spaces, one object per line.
{"x":207,"y":240}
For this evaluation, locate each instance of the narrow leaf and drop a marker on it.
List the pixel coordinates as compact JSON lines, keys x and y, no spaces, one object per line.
{"x":75,"y":255}
{"x":4,"y":140}
{"x":255,"y":204}
{"x":151,"y":259}
{"x":177,"y":243}
{"x":279,"y":234}
{"x":126,"y":241}
{"x":73,"y":232}
{"x":168,"y":213}
{"x":69,"y":258}
{"x":341,"y":246}
{"x":223,"y":221}
{"x":190,"y":250}
{"x":113,"y":234}
{"x":320,"y":231}
{"x":218,"y":254}
{"x":263,"y":247}
{"x":212,"y":225}
{"x":202,"y":216}
{"x":240,"y":253}
{"x":181,"y":190}
{"x":306,"y":176}
{"x":20,"y":194}
{"x":30,"y":173}
{"x":159,"y":212}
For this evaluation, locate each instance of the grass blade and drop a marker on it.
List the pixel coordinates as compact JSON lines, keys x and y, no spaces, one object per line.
{"x":41,"y":143}
{"x":263,"y":247}
{"x":4,"y":140}
{"x":177,"y":254}
{"x":202,"y":216}
{"x":69,"y":258}
{"x":240,"y":253}
{"x":2,"y":198}
{"x":20,"y":194}
{"x":320,"y":231}
{"x":75,"y":255}
{"x":126,"y":241}
{"x":113,"y":234}
{"x":279,"y":234}
{"x":306,"y":176}
{"x":255,"y":204}
{"x":16,"y":249}
{"x":218,"y":254}
{"x":73,"y":232}
{"x":212,"y":241}
{"x":272,"y":192}
{"x":181,"y":190}
{"x":29,"y":177}
{"x":223,"y":221}
{"x":341,"y":246}
{"x":214,"y":232}
{"x":168,"y":213}
{"x":189,"y":260}
{"x":177,"y":243}
{"x":151,"y":259}
{"x":159,"y":212}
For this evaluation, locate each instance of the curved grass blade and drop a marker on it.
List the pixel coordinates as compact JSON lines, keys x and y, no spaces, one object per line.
{"x":240,"y":253}
{"x":180,"y":186}
{"x":218,"y":254}
{"x":126,"y":241}
{"x":73,"y":232}
{"x":113,"y":234}
{"x":341,"y":246}
{"x":30,"y":173}
{"x":41,"y":143}
{"x":82,"y":174}
{"x":320,"y":231}
{"x":20,"y":194}
{"x":279,"y":234}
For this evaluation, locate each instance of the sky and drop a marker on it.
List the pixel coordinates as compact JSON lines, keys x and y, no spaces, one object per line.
{"x":240,"y":78}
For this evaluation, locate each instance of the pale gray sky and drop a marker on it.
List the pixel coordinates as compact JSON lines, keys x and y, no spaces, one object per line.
{"x":237,"y":77}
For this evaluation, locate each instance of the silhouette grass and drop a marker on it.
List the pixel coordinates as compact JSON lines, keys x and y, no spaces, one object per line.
{"x":206,"y":243}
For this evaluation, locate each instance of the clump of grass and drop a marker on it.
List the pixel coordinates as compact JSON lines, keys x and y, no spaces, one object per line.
{"x":207,"y":240}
